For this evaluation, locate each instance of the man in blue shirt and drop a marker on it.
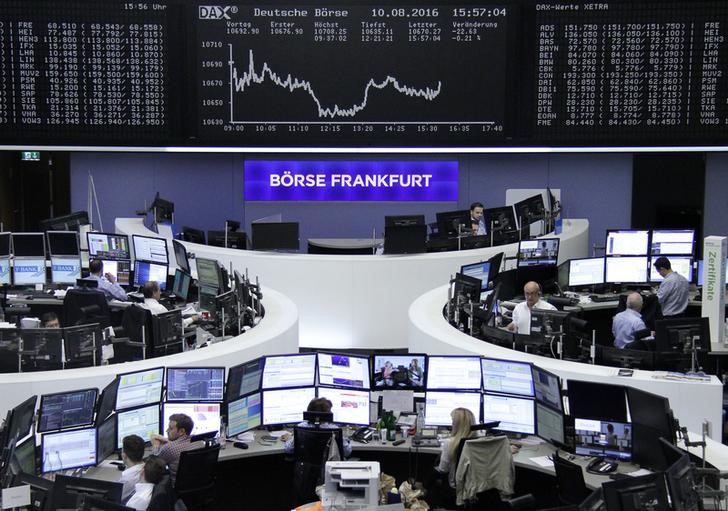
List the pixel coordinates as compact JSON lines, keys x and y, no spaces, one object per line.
{"x":107,"y":283}
{"x":628,"y":322}
{"x":673,"y":293}
{"x":476,"y":219}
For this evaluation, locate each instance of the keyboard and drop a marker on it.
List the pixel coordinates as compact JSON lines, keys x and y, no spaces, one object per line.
{"x":609,"y":297}
{"x":425,"y":442}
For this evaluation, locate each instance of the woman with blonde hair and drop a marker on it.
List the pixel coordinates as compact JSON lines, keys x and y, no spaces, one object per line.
{"x":462,"y":420}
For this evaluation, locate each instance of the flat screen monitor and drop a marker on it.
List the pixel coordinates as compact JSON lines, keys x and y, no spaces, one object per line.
{"x":530,"y":210}
{"x":120,"y":269}
{"x":467,"y":288}
{"x":208,"y":273}
{"x":598,"y":401}
{"x":439,"y":405}
{"x":151,"y":249}
{"x":45,"y":346}
{"x":549,"y":423}
{"x":28,"y":244}
{"x":83,"y":343}
{"x":540,"y":252}
{"x":405,"y":239}
{"x":701,"y":269}
{"x":620,"y":270}
{"x":63,"y":243}
{"x":139,"y":388}
{"x":636,"y":493}
{"x":391,"y":220}
{"x":106,"y":442}
{"x":286,"y":406}
{"x":349,"y":406}
{"x":289,"y":371}
{"x":681,"y":484}
{"x":275,"y":236}
{"x":180,"y":255}
{"x":71,"y":492}
{"x":244,"y":413}
{"x":237,"y":240}
{"x":181,"y":284}
{"x":68,"y":449}
{"x":452,"y":223}
{"x":4,"y":244}
{"x":104,"y":245}
{"x":453,"y":372}
{"x":107,"y":401}
{"x":21,"y":419}
{"x":343,"y":370}
{"x":672,"y":242}
{"x":679,"y":264}
{"x":67,"y":410}
{"x":507,"y":376}
{"x":143,"y":421}
{"x":586,"y":272}
{"x":547,"y":387}
{"x":205,"y":416}
{"x":500,"y":219}
{"x":678,"y":335}
{"x":399,"y":372}
{"x":65,"y":270}
{"x":206,"y":297}
{"x":145,"y":271}
{"x":244,"y":378}
{"x":29,"y":271}
{"x":195,"y":383}
{"x":627,"y":242}
{"x":5,"y":271}
{"x":516,"y":414}
{"x":480,"y":271}
{"x":547,"y":323}
{"x":609,"y":439}
{"x":167,"y":328}
{"x":193,"y":235}
{"x":24,"y":456}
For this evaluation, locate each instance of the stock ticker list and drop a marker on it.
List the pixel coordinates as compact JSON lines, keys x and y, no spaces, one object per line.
{"x":356,"y":73}
{"x":639,"y":69}
{"x":83,"y":70}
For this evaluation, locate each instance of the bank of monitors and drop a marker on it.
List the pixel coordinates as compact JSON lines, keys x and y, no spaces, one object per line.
{"x":598,"y":401}
{"x":547,"y":388}
{"x":29,"y":264}
{"x":627,"y":242}
{"x":439,"y":405}
{"x":180,"y":255}
{"x":145,"y":271}
{"x":139,"y":388}
{"x":625,"y":270}
{"x":21,"y":419}
{"x":104,"y":245}
{"x":480,"y":271}
{"x":646,"y":493}
{"x":181,"y":284}
{"x":283,"y":371}
{"x":343,"y":371}
{"x":349,"y":406}
{"x":120,"y":269}
{"x":608,"y":439}
{"x":244,"y":379}
{"x":515,"y":414}
{"x":68,"y":449}
{"x":244,"y":413}
{"x":586,"y":272}
{"x":142,"y":421}
{"x":65,"y":410}
{"x":209,"y":273}
{"x":453,"y":373}
{"x":286,"y":406}
{"x":399,"y":372}
{"x":507,"y":377}
{"x":205,"y":416}
{"x":540,"y":252}
{"x":672,"y":242}
{"x":195,"y":383}
{"x":150,"y":249}
{"x":682,"y":265}
{"x":275,"y":236}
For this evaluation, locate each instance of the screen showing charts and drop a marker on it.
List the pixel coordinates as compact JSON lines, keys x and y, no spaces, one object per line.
{"x":478,"y":271}
{"x":286,"y":406}
{"x":672,"y":242}
{"x":289,"y":371}
{"x":547,"y":388}
{"x":603,"y":438}
{"x":681,"y":265}
{"x":195,"y":383}
{"x":507,"y":376}
{"x":145,"y":272}
{"x":205,"y":416}
{"x":343,"y":370}
{"x":138,"y":421}
{"x":140,"y":388}
{"x":627,"y":242}
{"x":29,"y":271}
{"x":516,"y":414}
{"x":439,"y":405}
{"x":586,"y":272}
{"x":65,"y":270}
{"x":150,"y":249}
{"x":108,"y":246}
{"x":625,"y":269}
{"x":463,"y":373}
{"x":543,"y":252}
{"x":244,"y":414}
{"x":67,"y":409}
{"x":403,"y":372}
{"x":244,"y":378}
{"x":121,"y":270}
{"x":69,"y":449}
{"x":348,"y":406}
{"x":549,"y":423}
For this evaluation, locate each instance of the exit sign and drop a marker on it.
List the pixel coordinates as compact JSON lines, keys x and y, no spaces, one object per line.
{"x":30,"y":156}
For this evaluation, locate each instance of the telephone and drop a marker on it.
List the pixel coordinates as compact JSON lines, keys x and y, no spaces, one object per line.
{"x":362,"y":435}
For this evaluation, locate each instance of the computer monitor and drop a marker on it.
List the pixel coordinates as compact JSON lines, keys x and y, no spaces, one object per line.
{"x":480,"y":271}
{"x":195,"y":383}
{"x":65,"y":270}
{"x":468,"y":288}
{"x":21,"y":419}
{"x":439,"y":405}
{"x":163,"y":210}
{"x":147,"y":248}
{"x":405,"y":239}
{"x":64,"y":410}
{"x":106,"y":440}
{"x":515,"y":414}
{"x":641,"y":493}
{"x":40,"y":489}
{"x":63,"y":243}
{"x":392,"y":220}
{"x":586,"y":272}
{"x":23,"y":459}
{"x":682,"y":265}
{"x":142,"y":421}
{"x":244,"y":378}
{"x":399,"y":372}
{"x":237,"y":240}
{"x":286,"y":406}
{"x":627,"y":242}
{"x":547,"y":388}
{"x":244,"y":413}
{"x":42,"y":347}
{"x":539,"y":252}
{"x":139,"y":388}
{"x":180,"y":255}
{"x":83,"y":343}
{"x":106,"y":401}
{"x":105,"y":245}
{"x":651,"y":410}
{"x":206,"y":297}
{"x":530,"y":210}
{"x":343,"y":370}
{"x":349,"y":406}
{"x":120,"y":269}
{"x":672,"y":242}
{"x":681,"y":484}
{"x":598,"y":401}
{"x":29,"y":271}
{"x":70,"y":492}
{"x":549,"y":424}
{"x":28,"y":244}
{"x":209,"y":273}
{"x":68,"y":449}
{"x":193,"y":235}
{"x":608,"y":439}
{"x":453,"y":372}
{"x":145,"y":271}
{"x":507,"y":376}
{"x":701,"y":269}
{"x":546,"y":323}
{"x":5,"y":244}
{"x":205,"y":416}
{"x":167,"y":328}
{"x":452,"y":223}
{"x":678,"y":335}
{"x":289,"y":371}
{"x":502,"y":218}
{"x":275,"y":236}
{"x":5,"y":271}
{"x":625,"y":270}
{"x":181,"y":284}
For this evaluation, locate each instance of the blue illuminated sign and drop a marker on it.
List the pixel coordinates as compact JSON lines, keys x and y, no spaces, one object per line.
{"x":427,"y":181}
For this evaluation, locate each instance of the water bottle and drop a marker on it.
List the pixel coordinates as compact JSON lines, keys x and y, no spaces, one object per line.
{"x":222,"y":440}
{"x":420,"y":423}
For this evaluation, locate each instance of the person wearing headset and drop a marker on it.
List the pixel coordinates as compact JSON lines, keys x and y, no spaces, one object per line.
{"x":522,"y":312}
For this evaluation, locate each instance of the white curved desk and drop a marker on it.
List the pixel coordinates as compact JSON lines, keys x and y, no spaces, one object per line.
{"x":277,"y":332}
{"x":359,"y":301}
{"x":692,"y":402}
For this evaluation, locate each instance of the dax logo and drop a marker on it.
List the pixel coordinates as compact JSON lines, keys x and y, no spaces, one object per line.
{"x":216,"y":12}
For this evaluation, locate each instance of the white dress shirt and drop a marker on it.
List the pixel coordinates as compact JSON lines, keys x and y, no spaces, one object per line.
{"x":129,"y":478}
{"x":157,"y":308}
{"x":522,"y":315}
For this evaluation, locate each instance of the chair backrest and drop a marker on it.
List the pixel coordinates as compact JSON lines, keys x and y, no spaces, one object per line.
{"x":487,"y":460}
{"x":95,"y":303}
{"x":310,"y":444}
{"x":163,"y":498}
{"x":196,"y":470}
{"x":135,"y":320}
{"x":570,"y":481}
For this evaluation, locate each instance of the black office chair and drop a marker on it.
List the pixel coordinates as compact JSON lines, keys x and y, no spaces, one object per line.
{"x":84,"y":306}
{"x":570,"y":483}
{"x":136,"y":335}
{"x":312,"y":448}
{"x":651,"y":309}
{"x":163,"y":496}
{"x":196,"y":475}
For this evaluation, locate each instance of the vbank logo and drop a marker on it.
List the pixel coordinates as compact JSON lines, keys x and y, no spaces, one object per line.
{"x":216,"y":12}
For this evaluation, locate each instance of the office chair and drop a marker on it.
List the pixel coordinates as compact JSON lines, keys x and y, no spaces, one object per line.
{"x":651,"y":309}
{"x":136,"y":327}
{"x":485,"y":464}
{"x":312,"y":449}
{"x":163,"y":496}
{"x":196,"y":475}
{"x":84,"y":306}
{"x":570,"y":483}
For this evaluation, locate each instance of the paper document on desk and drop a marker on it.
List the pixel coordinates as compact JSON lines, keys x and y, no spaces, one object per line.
{"x":189,"y":311}
{"x":640,"y":472}
{"x":543,"y":461}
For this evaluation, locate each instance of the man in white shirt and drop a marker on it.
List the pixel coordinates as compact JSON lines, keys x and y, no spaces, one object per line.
{"x":152,"y":474}
{"x":132,"y":454}
{"x":522,"y":312}
{"x":152,"y":294}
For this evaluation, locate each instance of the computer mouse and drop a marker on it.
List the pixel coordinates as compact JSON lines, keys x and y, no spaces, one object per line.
{"x":240,"y":445}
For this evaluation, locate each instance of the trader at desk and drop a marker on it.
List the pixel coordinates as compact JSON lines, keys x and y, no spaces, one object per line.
{"x":627,"y":324}
{"x":476,"y":219}
{"x":152,"y":294}
{"x":323,"y":405}
{"x":522,"y":312}
{"x":178,"y":440}
{"x":673,"y":291}
{"x":107,"y":283}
